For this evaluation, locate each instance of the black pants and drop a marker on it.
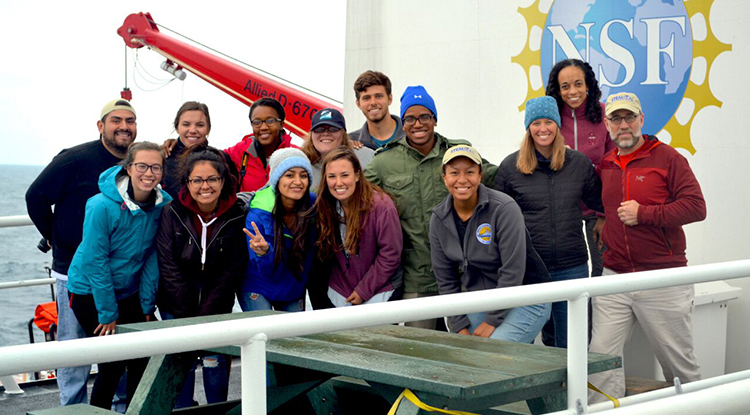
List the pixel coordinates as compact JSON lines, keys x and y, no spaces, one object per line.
{"x":110,"y":373}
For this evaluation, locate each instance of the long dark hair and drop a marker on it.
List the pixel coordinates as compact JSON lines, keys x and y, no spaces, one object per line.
{"x":593,"y":108}
{"x":203,"y":153}
{"x":300,"y":232}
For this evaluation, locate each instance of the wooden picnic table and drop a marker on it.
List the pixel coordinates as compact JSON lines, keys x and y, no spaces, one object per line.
{"x":444,"y":370}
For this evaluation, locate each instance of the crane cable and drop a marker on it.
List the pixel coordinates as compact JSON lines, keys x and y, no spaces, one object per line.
{"x":246,"y":64}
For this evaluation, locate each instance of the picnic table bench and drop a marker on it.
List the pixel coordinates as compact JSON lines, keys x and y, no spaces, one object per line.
{"x":442,"y":369}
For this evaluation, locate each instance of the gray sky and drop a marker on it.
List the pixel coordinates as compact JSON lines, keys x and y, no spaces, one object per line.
{"x":61,"y":61}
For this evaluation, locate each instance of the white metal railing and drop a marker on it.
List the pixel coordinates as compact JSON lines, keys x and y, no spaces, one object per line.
{"x":10,"y":221}
{"x":253,"y":334}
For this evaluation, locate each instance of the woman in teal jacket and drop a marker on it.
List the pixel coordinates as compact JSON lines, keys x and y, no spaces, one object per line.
{"x":114,"y":274}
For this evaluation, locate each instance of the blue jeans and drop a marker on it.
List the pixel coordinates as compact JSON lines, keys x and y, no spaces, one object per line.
{"x":250,"y":301}
{"x":71,"y":381}
{"x":215,"y":378}
{"x":521,"y":324}
{"x":560,"y":309}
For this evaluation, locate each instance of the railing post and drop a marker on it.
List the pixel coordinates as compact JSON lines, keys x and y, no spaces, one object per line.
{"x":253,"y":375}
{"x":578,"y":340}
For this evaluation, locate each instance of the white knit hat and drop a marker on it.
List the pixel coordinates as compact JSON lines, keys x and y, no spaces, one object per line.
{"x":284,"y":159}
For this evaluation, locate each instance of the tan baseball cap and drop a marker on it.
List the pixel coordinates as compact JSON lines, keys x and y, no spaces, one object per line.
{"x":117,"y":104}
{"x":462,"y":151}
{"x":623,"y":101}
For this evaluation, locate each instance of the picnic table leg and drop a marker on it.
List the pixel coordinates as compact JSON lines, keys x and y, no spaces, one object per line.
{"x":549,"y":403}
{"x":161,"y":384}
{"x":324,"y":400}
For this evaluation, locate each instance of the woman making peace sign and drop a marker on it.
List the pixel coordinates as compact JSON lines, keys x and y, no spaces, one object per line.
{"x":280,"y":243}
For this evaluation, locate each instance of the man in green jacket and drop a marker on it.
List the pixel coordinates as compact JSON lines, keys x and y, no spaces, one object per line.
{"x":410,"y":169}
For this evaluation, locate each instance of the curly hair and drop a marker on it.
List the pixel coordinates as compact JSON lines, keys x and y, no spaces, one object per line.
{"x":594,"y":94}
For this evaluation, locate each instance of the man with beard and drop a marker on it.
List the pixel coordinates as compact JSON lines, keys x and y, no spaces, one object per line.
{"x":67,"y":182}
{"x":649,"y":192}
{"x":373,"y":92}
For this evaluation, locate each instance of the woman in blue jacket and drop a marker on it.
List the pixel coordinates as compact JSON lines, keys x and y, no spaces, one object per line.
{"x":114,"y":273}
{"x":280,"y":236}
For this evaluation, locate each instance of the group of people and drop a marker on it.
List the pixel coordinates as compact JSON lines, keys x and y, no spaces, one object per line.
{"x":391,"y":211}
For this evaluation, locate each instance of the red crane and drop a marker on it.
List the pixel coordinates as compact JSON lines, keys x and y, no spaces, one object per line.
{"x":245,"y":85}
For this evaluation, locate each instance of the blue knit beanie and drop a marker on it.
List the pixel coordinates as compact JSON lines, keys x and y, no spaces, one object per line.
{"x":542,"y":107}
{"x":284,"y":159}
{"x":417,"y":95}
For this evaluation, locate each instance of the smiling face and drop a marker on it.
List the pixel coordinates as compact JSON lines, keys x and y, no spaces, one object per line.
{"x":626,"y":136}
{"x":206,"y":195}
{"x":462,"y":177}
{"x":326,"y":141}
{"x":192,"y":128}
{"x":374,"y":102}
{"x":420,"y":136}
{"x":293,"y":185}
{"x":543,"y":132}
{"x":144,"y":183}
{"x":573,"y":88}
{"x":267,"y":135}
{"x":341,"y":180}
{"x":118,"y":131}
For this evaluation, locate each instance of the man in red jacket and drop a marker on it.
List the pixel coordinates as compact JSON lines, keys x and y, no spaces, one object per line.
{"x":648,"y":192}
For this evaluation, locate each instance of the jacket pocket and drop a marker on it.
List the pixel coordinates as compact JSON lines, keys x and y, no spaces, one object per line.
{"x":406,"y":193}
{"x":666,"y":240}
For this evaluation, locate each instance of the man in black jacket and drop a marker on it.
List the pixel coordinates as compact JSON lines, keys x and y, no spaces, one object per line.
{"x":67,"y":182}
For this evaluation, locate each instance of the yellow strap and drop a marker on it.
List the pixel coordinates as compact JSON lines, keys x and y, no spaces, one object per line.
{"x":421,"y":405}
{"x":614,"y":400}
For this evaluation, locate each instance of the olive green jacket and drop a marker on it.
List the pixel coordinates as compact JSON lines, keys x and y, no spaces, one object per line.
{"x":415,"y":181}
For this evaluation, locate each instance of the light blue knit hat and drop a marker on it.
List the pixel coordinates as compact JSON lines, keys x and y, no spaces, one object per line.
{"x":284,"y":159}
{"x":542,"y":107}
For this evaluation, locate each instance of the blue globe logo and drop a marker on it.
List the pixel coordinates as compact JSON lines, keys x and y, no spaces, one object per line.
{"x":639,"y":46}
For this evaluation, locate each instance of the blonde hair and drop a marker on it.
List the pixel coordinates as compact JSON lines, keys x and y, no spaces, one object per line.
{"x":527,"y":162}
{"x":313,"y":154}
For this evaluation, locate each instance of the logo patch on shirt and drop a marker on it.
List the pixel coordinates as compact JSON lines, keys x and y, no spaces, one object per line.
{"x":484,"y":233}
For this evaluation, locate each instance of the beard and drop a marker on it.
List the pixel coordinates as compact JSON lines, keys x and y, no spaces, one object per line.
{"x":112,"y":143}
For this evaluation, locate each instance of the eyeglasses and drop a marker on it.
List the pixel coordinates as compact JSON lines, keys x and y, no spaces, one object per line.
{"x":143,"y":167}
{"x":269,"y":121}
{"x":212,"y":181}
{"x":423,"y":119}
{"x":323,"y":128}
{"x":628,"y":119}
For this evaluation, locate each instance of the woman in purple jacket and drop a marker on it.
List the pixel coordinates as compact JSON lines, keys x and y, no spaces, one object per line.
{"x":360,"y":230}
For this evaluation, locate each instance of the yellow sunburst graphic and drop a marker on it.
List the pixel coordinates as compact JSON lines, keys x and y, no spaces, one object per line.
{"x":697,"y":91}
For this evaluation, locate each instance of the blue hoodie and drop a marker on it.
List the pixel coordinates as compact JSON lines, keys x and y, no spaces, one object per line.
{"x":263,"y":276}
{"x":117,"y":256}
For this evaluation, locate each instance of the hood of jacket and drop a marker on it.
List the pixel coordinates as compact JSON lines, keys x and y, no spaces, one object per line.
{"x":113,"y":184}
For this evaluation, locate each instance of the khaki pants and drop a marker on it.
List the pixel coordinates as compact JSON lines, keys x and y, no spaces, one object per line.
{"x":430,"y":324}
{"x":665,"y":315}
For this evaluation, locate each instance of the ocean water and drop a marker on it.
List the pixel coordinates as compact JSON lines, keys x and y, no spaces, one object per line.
{"x":19,"y":259}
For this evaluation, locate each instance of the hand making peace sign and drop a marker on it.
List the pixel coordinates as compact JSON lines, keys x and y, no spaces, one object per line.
{"x":257,"y":243}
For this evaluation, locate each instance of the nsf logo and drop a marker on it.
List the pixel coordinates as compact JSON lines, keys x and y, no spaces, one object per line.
{"x":644,"y":47}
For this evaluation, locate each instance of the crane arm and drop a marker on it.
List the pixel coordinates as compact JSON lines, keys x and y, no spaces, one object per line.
{"x":243,"y":84}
